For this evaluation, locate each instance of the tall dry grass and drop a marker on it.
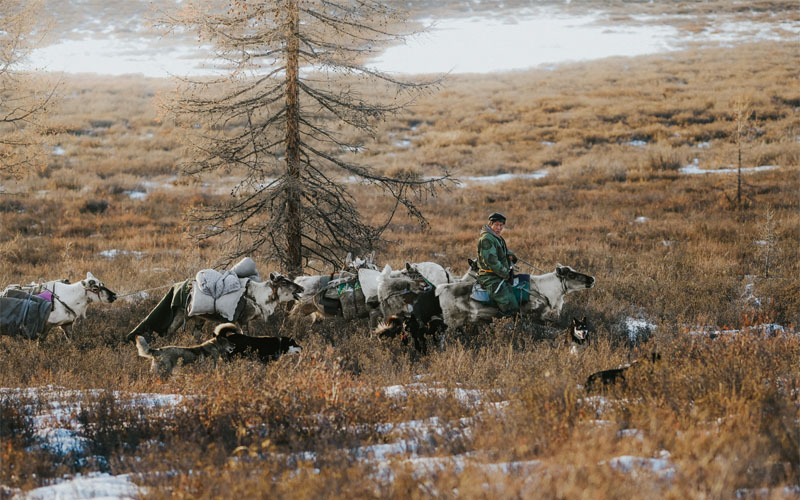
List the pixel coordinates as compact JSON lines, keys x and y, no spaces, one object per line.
{"x":665,"y":248}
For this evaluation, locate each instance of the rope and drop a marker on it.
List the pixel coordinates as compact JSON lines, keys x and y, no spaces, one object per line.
{"x":531,"y":265}
{"x":142,"y":291}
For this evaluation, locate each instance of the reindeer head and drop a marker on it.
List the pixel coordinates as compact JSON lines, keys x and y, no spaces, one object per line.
{"x":284,"y":289}
{"x":573,"y":280}
{"x":96,"y":287}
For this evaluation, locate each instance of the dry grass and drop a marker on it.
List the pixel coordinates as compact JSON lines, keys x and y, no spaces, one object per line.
{"x":725,"y":409}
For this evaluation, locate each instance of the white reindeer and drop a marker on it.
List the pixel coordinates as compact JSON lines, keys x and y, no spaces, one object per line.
{"x":69,"y":300}
{"x":260,"y":301}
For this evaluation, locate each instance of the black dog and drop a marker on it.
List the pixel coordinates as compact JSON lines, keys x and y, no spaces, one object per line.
{"x":424,"y":320}
{"x":266,"y":348}
{"x":614,"y":375}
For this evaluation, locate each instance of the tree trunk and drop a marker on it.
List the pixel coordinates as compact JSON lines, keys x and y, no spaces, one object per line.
{"x":293,"y":260}
{"x":739,"y":181}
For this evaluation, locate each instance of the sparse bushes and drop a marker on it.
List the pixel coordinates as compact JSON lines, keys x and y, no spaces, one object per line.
{"x":662,"y":158}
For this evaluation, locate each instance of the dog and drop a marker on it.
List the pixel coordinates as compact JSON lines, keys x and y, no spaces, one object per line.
{"x":164,"y":359}
{"x":577,"y":335}
{"x":614,"y":375}
{"x":266,"y":348}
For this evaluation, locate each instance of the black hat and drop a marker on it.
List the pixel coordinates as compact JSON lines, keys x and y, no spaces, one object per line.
{"x":497,"y":217}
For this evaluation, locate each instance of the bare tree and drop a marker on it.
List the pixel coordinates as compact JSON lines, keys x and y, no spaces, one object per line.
{"x":769,"y":240}
{"x":297,"y":88}
{"x":742,"y":113}
{"x":24,"y":99}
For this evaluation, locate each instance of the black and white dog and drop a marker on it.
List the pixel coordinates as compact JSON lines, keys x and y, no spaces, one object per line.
{"x":266,"y":348}
{"x":577,"y":335}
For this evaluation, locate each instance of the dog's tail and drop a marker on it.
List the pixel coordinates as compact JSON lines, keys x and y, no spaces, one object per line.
{"x":143,"y":348}
{"x":390,"y":327}
{"x":225,"y":329}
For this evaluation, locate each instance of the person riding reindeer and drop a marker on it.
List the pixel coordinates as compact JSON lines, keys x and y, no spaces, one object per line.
{"x":496,"y":265}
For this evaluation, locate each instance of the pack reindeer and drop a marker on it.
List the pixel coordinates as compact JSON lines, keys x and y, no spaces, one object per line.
{"x":311,"y":302}
{"x":70,"y":301}
{"x":371,"y":280}
{"x":547,"y":292}
{"x":260,"y":300}
{"x":409,"y":304}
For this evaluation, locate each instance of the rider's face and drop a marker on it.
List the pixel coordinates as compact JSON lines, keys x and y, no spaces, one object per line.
{"x":497,"y":226}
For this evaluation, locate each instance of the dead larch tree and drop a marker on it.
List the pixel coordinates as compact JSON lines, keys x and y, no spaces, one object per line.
{"x":297,"y":86}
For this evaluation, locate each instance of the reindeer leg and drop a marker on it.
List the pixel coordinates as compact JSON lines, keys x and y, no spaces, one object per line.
{"x":196,"y":325}
{"x":66,"y":330}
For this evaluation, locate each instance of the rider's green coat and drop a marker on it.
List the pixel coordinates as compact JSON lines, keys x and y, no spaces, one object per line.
{"x":494,"y":267}
{"x":493,"y":254}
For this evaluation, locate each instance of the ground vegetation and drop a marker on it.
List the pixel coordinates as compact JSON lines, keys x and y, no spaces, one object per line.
{"x":711,"y":286}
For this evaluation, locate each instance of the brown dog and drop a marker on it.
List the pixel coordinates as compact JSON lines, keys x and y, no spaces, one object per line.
{"x":164,"y":359}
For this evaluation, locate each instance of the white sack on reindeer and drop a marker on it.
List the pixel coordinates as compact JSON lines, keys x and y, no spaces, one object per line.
{"x":256,"y":300}
{"x":219,"y":293}
{"x":214,"y":292}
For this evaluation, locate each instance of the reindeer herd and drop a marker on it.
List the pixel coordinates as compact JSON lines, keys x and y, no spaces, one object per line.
{"x":418,"y":301}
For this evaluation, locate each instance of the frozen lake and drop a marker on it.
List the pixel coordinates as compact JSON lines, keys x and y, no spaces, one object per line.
{"x":531,"y":38}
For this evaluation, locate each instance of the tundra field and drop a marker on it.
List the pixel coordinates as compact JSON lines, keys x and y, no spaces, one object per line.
{"x":681,"y":269}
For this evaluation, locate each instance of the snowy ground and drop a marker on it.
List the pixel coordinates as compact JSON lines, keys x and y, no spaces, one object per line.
{"x":57,"y":429}
{"x":406,"y":448}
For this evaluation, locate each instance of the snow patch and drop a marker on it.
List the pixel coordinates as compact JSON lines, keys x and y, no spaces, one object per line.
{"x":695,"y":170}
{"x":662,"y":467}
{"x":94,"y":485}
{"x":114,"y":253}
{"x":496,"y":179}
{"x":136,"y":195}
{"x":638,"y":328}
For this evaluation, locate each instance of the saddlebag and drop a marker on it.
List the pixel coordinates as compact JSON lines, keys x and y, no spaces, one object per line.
{"x":521,"y":287}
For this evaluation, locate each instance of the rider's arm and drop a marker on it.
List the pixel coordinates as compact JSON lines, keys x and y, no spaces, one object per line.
{"x":489,"y":253}
{"x":512,"y":257}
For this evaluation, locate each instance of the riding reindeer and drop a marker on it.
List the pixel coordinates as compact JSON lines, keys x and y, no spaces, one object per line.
{"x":547,"y":292}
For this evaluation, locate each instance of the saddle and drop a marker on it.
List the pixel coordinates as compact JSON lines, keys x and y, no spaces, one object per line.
{"x":521,"y":287}
{"x":32,"y":289}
